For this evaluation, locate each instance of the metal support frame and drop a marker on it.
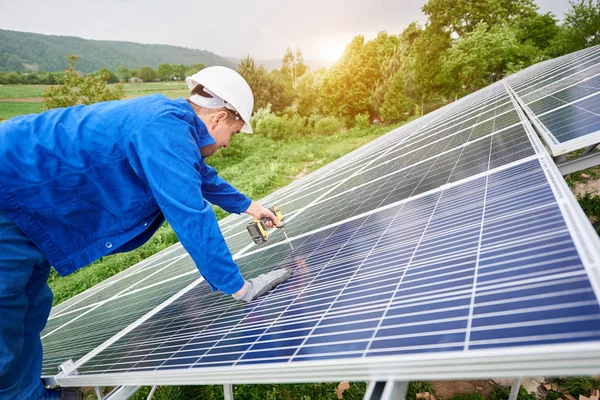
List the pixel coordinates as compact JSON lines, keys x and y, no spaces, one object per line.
{"x":122,"y":393}
{"x":589,"y":158}
{"x":389,"y":390}
{"x":514,"y":390}
{"x":228,"y":392}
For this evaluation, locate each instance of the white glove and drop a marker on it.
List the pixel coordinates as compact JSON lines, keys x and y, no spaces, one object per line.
{"x":263,"y":283}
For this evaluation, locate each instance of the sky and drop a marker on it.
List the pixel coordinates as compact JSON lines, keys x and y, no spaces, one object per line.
{"x":233,"y":28}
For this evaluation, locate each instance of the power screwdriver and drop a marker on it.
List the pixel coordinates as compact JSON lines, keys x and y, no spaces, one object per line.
{"x":258,"y":228}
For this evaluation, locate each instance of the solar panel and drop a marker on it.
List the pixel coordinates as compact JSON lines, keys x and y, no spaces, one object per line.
{"x":561,"y":99}
{"x":450,"y":247}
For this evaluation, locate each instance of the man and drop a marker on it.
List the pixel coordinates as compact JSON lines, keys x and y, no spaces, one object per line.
{"x":82,"y":182}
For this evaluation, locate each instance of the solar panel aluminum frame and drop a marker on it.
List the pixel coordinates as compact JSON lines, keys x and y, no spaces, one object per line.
{"x":554,"y":146}
{"x":557,"y":359}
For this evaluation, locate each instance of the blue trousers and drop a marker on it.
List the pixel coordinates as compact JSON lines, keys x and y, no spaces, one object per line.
{"x":25,"y":303}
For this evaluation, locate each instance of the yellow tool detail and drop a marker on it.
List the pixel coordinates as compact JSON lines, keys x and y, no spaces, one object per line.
{"x":258,"y":228}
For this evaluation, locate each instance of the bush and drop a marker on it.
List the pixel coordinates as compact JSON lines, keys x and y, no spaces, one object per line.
{"x":329,"y":125}
{"x":361,"y":121}
{"x":270,"y":125}
{"x":74,"y":89}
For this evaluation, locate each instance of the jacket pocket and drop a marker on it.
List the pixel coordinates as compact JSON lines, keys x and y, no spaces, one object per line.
{"x":77,"y":223}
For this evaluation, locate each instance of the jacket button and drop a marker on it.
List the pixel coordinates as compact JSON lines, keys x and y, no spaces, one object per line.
{"x":144,"y":223}
{"x":108,"y":245}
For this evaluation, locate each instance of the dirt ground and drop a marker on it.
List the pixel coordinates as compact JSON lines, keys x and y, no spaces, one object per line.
{"x":446,"y":389}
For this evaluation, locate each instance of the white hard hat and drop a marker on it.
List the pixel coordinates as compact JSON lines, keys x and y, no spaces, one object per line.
{"x":227,"y":85}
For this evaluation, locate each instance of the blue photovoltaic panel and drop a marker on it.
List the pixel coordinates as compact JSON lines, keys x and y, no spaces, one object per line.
{"x":444,"y":236}
{"x":562,"y":97}
{"x":422,"y":276}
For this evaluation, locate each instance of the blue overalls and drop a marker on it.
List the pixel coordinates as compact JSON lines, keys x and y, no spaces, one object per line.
{"x":25,"y":303}
{"x":86,"y":181}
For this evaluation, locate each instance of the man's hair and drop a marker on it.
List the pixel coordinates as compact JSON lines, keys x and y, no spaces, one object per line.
{"x":199,"y":90}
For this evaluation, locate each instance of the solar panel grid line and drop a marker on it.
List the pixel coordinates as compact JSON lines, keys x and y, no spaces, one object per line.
{"x":238,"y":233}
{"x":72,"y":308}
{"x":567,"y":104}
{"x":249,"y":246}
{"x":576,"y":79}
{"x":387,"y":206}
{"x":525,"y":78}
{"x":370,"y":342}
{"x":131,"y":292}
{"x":301,"y":291}
{"x":110,"y":281}
{"x":582,"y":232}
{"x":451,"y":149}
{"x":550,"y":75}
{"x":45,"y":335}
{"x":440,"y":153}
{"x":131,"y":327}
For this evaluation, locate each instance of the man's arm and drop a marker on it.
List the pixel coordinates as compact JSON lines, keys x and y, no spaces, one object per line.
{"x":164,"y":154}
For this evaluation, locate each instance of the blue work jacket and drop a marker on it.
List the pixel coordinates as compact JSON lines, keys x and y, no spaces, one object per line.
{"x":86,"y":181}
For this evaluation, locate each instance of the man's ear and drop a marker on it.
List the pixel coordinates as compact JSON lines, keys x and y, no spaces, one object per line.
{"x":220,"y":116}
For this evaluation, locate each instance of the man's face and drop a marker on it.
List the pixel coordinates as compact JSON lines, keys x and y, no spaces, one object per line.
{"x":221,"y":128}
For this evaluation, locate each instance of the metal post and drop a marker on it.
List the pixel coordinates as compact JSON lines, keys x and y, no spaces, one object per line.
{"x":228,"y":392}
{"x":122,"y":393}
{"x":390,"y":390}
{"x":99,"y":393}
{"x":374,"y":390}
{"x":514,"y":391}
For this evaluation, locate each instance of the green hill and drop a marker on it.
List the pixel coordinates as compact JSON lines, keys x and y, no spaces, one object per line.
{"x":22,"y":51}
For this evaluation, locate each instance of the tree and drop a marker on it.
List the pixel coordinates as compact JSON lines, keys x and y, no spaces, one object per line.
{"x":147,"y":74}
{"x":267,"y":89}
{"x":463,"y":16}
{"x":74,"y":89}
{"x":123,"y":74}
{"x":308,"y":97}
{"x":581,"y":28}
{"x":107,"y":75}
{"x":400,"y":60}
{"x":396,"y":105}
{"x":485,"y":55}
{"x":539,"y":30}
{"x":165,"y":72}
{"x":425,"y":64}
{"x":293,"y":65}
{"x":347,"y":87}
{"x":192,"y":69}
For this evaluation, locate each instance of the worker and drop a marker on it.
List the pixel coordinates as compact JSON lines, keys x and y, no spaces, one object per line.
{"x":83,"y":182}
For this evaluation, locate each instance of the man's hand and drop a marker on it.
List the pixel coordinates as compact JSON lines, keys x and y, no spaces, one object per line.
{"x":262,"y":284}
{"x":257,"y":211}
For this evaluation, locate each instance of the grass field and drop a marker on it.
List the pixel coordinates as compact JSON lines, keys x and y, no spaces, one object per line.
{"x":21,"y":91}
{"x":12,"y":109}
{"x":10,"y":106}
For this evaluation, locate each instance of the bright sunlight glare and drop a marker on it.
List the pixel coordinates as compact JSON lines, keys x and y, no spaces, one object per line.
{"x":331,"y":48}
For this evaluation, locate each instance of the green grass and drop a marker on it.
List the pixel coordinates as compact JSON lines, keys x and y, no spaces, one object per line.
{"x":576,"y":386}
{"x":502,"y":393}
{"x":21,"y":91}
{"x":169,"y":89}
{"x":12,"y":109}
{"x":300,"y":391}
